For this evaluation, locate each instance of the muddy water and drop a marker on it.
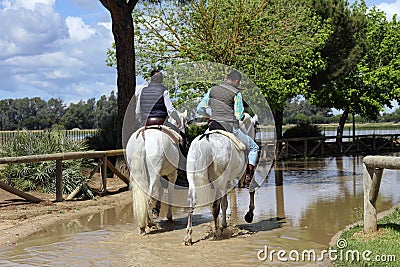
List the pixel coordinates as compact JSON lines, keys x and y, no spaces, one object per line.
{"x":319,"y":197}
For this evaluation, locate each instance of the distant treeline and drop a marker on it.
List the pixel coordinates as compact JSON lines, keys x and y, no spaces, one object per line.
{"x":36,"y":113}
{"x":299,"y":110}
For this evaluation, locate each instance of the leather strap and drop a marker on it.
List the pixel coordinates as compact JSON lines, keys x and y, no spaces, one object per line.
{"x":174,"y":136}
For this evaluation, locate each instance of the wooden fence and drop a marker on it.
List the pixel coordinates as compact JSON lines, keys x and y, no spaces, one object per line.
{"x":78,"y":135}
{"x":372,"y":176}
{"x":328,"y":145}
{"x":103,"y":164}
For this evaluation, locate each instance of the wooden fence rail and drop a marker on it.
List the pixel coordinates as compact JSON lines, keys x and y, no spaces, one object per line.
{"x":372,"y":176}
{"x":59,"y":157}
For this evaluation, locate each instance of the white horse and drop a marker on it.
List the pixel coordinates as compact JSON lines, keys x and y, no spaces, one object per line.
{"x":248,"y":125}
{"x":151,"y":154}
{"x":213,"y":165}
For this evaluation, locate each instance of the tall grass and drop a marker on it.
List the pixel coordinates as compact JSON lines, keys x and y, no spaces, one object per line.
{"x":40,"y":176}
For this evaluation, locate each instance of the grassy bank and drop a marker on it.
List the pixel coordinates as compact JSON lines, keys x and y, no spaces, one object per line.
{"x":355,"y":248}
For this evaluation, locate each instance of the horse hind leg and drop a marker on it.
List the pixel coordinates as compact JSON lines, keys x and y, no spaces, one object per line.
{"x":224,"y":207}
{"x":188,"y":238}
{"x":215,"y":211}
{"x":156,"y":191}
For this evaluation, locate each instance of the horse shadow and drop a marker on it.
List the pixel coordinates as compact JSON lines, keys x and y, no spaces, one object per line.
{"x":231,"y":231}
{"x":263,"y":225}
{"x":179,"y":223}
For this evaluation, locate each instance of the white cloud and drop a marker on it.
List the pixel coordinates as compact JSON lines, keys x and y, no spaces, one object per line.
{"x":77,"y":29}
{"x":31,"y":4}
{"x":57,"y":74}
{"x":47,"y":56}
{"x":32,"y":31}
{"x":390,"y":9}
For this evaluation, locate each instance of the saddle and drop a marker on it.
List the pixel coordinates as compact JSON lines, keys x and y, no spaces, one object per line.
{"x":220,"y":125}
{"x":239,"y":145}
{"x":175,"y":137}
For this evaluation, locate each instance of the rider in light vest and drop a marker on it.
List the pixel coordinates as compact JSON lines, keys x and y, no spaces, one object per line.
{"x":224,"y":106}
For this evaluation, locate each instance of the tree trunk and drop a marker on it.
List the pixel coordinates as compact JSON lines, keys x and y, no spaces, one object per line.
{"x":278,"y":117}
{"x":123,"y":31}
{"x":340,"y":129}
{"x":354,"y":127}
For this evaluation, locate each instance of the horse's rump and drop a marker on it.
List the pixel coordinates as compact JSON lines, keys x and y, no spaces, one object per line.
{"x":213,"y":165}
{"x":150,"y":155}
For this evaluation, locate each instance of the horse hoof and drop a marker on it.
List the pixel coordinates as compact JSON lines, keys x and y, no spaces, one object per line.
{"x":151,"y":224}
{"x":155,"y":213}
{"x":142,"y":231}
{"x":249,"y":217}
{"x":188,"y":242}
{"x":218,"y":234}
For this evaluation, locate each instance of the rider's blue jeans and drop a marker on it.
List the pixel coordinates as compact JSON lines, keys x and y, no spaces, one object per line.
{"x":250,"y":144}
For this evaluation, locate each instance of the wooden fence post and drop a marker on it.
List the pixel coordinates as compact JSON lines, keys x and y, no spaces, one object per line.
{"x":372,"y":177}
{"x":104,"y":175}
{"x":372,"y":181}
{"x":305,"y":148}
{"x":59,"y":183}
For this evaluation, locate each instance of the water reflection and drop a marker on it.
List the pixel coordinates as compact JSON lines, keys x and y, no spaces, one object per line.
{"x":318,"y":198}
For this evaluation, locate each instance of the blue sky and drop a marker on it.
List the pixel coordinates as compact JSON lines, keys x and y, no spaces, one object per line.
{"x":57,"y":48}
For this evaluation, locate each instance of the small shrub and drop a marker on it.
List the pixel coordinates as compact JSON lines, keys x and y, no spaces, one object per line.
{"x":41,"y":175}
{"x":304,"y":129}
{"x":106,"y":137}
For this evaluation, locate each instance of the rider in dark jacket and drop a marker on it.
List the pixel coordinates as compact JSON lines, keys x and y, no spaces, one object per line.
{"x":154,"y":104}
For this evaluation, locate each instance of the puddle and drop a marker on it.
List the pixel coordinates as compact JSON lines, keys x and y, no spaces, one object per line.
{"x":318,"y":198}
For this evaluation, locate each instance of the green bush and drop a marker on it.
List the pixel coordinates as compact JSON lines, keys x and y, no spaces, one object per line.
{"x":193,"y":131}
{"x":40,"y":176}
{"x":304,"y":129}
{"x":106,"y":137}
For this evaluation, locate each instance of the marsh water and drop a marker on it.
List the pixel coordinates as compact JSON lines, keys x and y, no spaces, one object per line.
{"x":319,"y":197}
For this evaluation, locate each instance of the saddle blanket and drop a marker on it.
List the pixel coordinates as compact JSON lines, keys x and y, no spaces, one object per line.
{"x":239,"y":145}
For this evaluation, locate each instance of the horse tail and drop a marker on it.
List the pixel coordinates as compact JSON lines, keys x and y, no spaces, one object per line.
{"x":197,"y":173}
{"x":139,"y":185}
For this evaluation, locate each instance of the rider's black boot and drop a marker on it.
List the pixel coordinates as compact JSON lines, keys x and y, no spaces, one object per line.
{"x":249,"y":175}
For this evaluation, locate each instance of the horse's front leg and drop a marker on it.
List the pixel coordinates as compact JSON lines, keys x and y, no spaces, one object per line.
{"x":155,"y":212}
{"x":249,"y":215}
{"x":172,"y":179}
{"x":224,"y":207}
